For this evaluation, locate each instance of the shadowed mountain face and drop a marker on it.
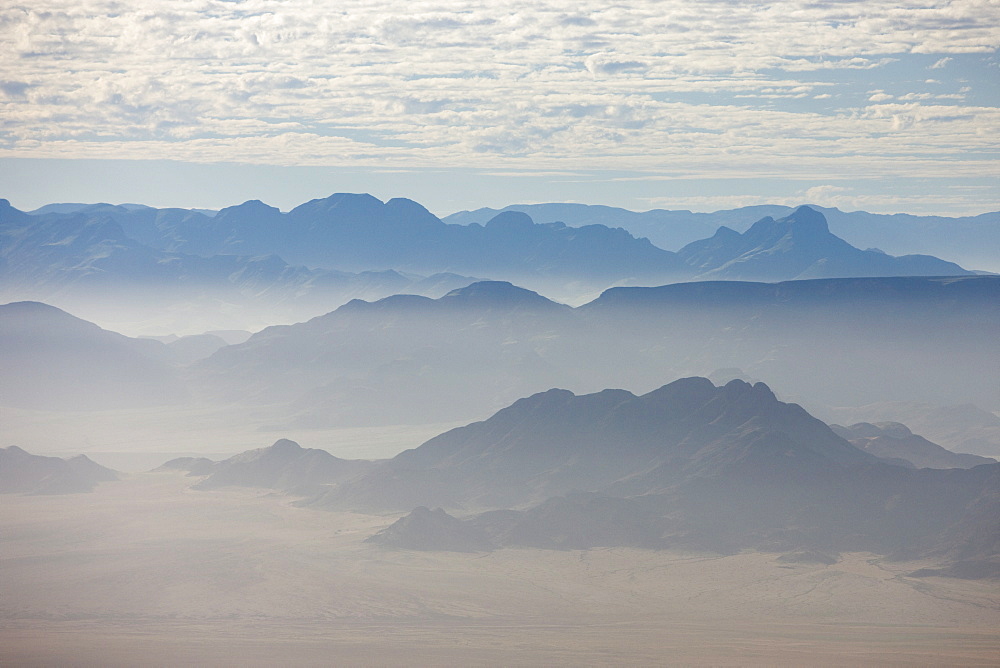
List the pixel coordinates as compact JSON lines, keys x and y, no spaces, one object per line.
{"x":411,"y":359}
{"x":892,"y":440}
{"x":21,"y":472}
{"x":52,"y":360}
{"x":284,"y":466}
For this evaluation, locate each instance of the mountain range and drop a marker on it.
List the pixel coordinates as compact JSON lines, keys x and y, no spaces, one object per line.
{"x":411,"y":359}
{"x":969,"y":240}
{"x":327,"y":251}
{"x":690,"y":465}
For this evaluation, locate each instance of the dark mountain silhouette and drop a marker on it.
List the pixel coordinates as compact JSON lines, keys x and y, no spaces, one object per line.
{"x":555,"y":442}
{"x":691,"y":466}
{"x":967,"y":240}
{"x":284,"y":466}
{"x":22,"y":472}
{"x":892,"y":440}
{"x":798,"y":246}
{"x":52,"y":360}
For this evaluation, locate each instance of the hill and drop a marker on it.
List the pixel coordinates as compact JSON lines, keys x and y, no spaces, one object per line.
{"x":24,"y":473}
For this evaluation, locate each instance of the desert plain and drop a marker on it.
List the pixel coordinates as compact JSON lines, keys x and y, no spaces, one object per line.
{"x":146,"y":571}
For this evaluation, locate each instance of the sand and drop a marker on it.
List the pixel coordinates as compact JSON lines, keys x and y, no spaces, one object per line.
{"x":149,"y":572}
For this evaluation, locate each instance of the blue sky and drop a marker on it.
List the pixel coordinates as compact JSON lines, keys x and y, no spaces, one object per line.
{"x":883,"y":106}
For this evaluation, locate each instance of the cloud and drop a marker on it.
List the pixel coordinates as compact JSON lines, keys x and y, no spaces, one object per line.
{"x":672,"y":86}
{"x":940,"y":63}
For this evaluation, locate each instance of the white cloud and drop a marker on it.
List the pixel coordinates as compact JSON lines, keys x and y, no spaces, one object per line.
{"x":669,"y":85}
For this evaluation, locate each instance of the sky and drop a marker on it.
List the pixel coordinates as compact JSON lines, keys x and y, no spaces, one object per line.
{"x":677,"y":104}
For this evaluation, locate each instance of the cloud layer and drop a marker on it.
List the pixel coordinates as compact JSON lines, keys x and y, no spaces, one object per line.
{"x":811,"y":91}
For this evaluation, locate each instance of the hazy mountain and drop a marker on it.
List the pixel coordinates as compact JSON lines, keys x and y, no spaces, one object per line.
{"x":21,"y":472}
{"x":194,"y":466}
{"x":968,"y":240}
{"x":892,"y":440}
{"x":555,"y":442}
{"x":52,"y":360}
{"x":425,"y":529}
{"x":960,"y":428}
{"x":798,"y":246}
{"x":284,"y":466}
{"x":417,"y":360}
{"x":113,"y":260}
{"x":403,"y":359}
{"x":244,"y":251}
{"x":869,"y":340}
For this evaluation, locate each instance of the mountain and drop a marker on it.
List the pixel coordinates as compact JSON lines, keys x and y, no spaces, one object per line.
{"x":412,"y":360}
{"x":52,"y":360}
{"x":425,"y":529}
{"x":958,"y":427}
{"x":798,"y":246}
{"x":967,"y":240}
{"x":892,"y":440}
{"x":113,"y":262}
{"x":354,"y":245}
{"x":403,"y":359}
{"x":690,"y":466}
{"x":24,"y":473}
{"x":874,"y":339}
{"x":554,"y":442}
{"x":284,"y":466}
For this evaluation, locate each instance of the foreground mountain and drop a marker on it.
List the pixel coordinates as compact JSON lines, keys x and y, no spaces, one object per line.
{"x":612,"y":441}
{"x":415,"y":360}
{"x":690,"y":466}
{"x":892,"y":440}
{"x":22,"y":472}
{"x":52,"y":360}
{"x":969,"y":240}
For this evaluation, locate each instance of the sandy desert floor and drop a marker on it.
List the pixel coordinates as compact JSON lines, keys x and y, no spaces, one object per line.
{"x":147,"y":572}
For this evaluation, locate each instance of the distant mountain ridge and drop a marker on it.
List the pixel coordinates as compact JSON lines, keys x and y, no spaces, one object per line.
{"x":354,"y":245}
{"x":968,"y":240}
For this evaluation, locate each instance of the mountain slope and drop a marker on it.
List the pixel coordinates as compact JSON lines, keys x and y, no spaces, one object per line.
{"x":52,"y":360}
